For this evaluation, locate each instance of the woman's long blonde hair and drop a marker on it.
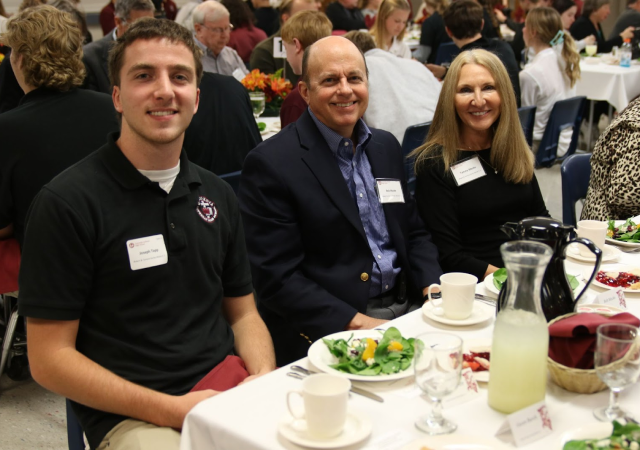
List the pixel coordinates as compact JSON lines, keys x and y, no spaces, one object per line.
{"x":379,"y":29}
{"x":546,"y":23}
{"x":510,"y":153}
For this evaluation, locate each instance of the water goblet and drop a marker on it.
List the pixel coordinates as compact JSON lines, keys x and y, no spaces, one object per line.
{"x":257,"y":103}
{"x":617,"y":362}
{"x":438,"y":362}
{"x":591,"y":49}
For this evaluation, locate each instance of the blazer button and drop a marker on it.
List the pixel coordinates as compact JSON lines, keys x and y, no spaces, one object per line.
{"x":364,"y":276}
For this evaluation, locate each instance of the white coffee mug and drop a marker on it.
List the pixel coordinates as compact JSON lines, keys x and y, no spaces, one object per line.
{"x":325,"y":404}
{"x":593,"y":230}
{"x":458,"y":293}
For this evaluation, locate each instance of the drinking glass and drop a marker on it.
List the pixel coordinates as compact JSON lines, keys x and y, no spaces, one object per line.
{"x":438,"y":362}
{"x":617,"y":361}
{"x":257,"y":103}
{"x":591,"y":49}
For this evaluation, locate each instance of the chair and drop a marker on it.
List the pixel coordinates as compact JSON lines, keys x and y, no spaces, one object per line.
{"x":447,"y":52}
{"x":575,"y":173}
{"x":233,"y":178}
{"x":75,"y":437}
{"x":414,"y":137}
{"x":565,"y":113}
{"x":527,"y":116}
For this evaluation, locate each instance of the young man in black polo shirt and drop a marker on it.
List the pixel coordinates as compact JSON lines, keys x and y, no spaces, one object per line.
{"x":135,"y":278}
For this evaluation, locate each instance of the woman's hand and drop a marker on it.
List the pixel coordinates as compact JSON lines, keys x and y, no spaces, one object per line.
{"x":590,"y":40}
{"x":627,"y":33}
{"x":500,"y":16}
{"x":490,"y":270}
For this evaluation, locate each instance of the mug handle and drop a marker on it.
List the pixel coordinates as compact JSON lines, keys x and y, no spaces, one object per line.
{"x":434,"y":285}
{"x":593,"y":248}
{"x":291,"y":411}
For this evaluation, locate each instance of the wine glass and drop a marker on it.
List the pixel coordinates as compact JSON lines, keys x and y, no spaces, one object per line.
{"x":257,"y":103}
{"x":591,"y":49}
{"x":617,"y":361}
{"x":438,"y":362}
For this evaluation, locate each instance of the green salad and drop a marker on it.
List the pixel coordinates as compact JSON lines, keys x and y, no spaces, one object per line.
{"x":500,"y":276}
{"x":388,"y":354}
{"x":623,"y":436}
{"x":629,"y":231}
{"x":262,"y":126}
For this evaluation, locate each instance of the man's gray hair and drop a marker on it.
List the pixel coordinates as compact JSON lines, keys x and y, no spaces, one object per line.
{"x":124,"y":7}
{"x":211,"y":11}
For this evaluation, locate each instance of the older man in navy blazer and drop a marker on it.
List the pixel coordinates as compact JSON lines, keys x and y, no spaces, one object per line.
{"x":334,"y":238}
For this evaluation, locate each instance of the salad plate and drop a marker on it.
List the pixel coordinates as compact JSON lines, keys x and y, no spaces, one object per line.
{"x":488,"y":284}
{"x":480,"y":313}
{"x":594,"y":430}
{"x":609,"y":253}
{"x":456,"y":442}
{"x":610,"y":269}
{"x":356,"y":428}
{"x":320,"y":356}
{"x":619,"y":243}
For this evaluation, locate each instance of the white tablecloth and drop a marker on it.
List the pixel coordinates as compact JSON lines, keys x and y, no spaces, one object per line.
{"x":246,"y":418}
{"x":273,"y":126}
{"x":614,"y":84}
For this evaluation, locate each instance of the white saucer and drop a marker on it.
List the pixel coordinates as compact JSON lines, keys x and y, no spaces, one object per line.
{"x":609,"y":253}
{"x":356,"y":428}
{"x":480,"y":313}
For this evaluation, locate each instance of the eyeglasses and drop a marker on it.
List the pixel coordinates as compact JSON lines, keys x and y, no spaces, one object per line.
{"x":218,"y":30}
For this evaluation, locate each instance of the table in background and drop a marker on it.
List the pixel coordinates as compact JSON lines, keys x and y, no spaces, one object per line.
{"x":273,"y":126}
{"x":247,"y":417}
{"x":611,"y":83}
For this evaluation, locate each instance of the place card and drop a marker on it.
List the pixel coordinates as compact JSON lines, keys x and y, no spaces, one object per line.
{"x":614,"y":297}
{"x":529,"y":424}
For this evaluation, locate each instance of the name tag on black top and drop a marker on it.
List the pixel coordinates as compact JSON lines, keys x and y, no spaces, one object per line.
{"x":467,"y":170}
{"x":389,"y":190}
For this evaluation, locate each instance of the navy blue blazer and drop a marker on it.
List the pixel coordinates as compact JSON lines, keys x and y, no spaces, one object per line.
{"x":309,"y":254}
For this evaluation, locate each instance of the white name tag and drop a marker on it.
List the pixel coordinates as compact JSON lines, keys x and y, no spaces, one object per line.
{"x":467,"y":170}
{"x":614,"y":297}
{"x":147,"y":252}
{"x":389,"y":191}
{"x":278,"y":49}
{"x":529,"y":424}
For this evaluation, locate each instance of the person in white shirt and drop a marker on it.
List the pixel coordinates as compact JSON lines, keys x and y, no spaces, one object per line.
{"x":212,"y":33}
{"x":402,"y":92}
{"x":390,"y":26}
{"x":552,"y":74}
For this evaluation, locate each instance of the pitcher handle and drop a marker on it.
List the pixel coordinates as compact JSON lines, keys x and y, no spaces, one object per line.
{"x":596,"y":252}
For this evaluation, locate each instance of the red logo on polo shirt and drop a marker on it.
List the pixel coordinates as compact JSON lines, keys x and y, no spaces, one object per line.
{"x":207,"y":209}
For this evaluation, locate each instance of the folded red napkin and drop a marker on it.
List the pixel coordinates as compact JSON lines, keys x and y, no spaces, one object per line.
{"x":229,"y":373}
{"x":572,"y":341}
{"x":9,"y":265}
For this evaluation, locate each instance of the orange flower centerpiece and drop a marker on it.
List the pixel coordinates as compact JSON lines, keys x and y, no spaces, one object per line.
{"x":275,"y":88}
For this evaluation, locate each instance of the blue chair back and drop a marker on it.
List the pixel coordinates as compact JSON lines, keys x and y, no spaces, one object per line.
{"x":74,"y":430}
{"x":575,"y":173}
{"x":527,"y":116}
{"x":233,"y":179}
{"x":447,"y":52}
{"x":414,"y":137}
{"x":565,"y":113}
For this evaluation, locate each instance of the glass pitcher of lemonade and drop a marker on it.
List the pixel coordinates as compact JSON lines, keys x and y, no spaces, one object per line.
{"x":518,"y":371}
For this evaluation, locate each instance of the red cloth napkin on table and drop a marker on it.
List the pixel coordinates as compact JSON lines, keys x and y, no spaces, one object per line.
{"x":226,"y":375}
{"x":572,"y":341}
{"x":9,"y":265}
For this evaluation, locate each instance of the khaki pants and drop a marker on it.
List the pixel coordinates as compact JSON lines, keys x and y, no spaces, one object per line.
{"x":136,"y":435}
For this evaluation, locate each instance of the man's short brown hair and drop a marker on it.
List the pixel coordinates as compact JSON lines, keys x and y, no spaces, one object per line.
{"x":307,"y":27}
{"x":148,"y":28}
{"x":50,"y":44}
{"x":364,"y":41}
{"x":463,"y":18}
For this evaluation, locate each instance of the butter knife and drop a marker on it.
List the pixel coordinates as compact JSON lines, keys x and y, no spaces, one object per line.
{"x":354,"y":389}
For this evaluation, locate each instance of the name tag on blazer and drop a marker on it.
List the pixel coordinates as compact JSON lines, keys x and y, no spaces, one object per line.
{"x":467,"y":170}
{"x":389,"y":190}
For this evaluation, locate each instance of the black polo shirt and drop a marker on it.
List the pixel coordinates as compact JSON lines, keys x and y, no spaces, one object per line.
{"x":160,"y":327}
